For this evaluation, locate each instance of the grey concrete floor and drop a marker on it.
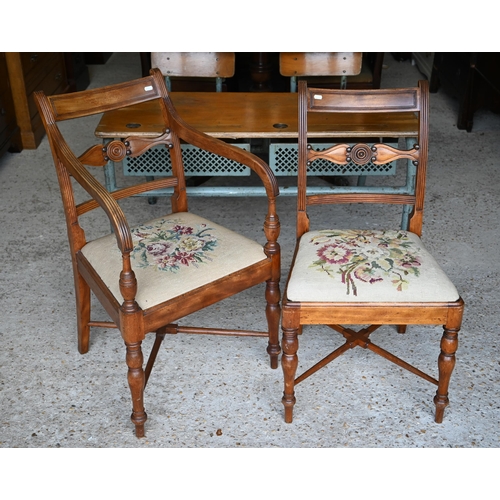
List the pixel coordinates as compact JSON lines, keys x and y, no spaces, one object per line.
{"x":54,"y":397}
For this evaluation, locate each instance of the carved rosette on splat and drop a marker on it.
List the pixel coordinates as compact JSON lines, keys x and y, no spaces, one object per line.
{"x":98,"y":156}
{"x":361,"y":154}
{"x":116,"y":150}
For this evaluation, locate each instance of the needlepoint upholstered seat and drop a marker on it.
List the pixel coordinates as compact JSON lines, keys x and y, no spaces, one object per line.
{"x":367,"y":266}
{"x":172,"y":256}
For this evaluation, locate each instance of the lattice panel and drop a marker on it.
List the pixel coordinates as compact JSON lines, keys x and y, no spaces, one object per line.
{"x":156,"y":161}
{"x":284,"y":159}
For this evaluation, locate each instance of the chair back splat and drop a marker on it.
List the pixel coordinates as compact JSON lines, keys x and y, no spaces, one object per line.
{"x":193,"y":68}
{"x":151,"y":275}
{"x":350,"y":276}
{"x":320,"y":64}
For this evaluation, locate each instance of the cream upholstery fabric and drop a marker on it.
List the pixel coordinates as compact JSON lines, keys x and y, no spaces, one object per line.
{"x":173,"y":255}
{"x":367,"y":266}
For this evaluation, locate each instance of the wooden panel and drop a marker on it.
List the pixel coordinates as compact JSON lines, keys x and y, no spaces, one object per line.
{"x":382,"y":313}
{"x":66,"y":107}
{"x":194,"y":64}
{"x":233,"y":115}
{"x":35,"y":66}
{"x":30,"y":71}
{"x":52,"y":82}
{"x":368,"y":78}
{"x":320,"y":63}
{"x":371,"y":101}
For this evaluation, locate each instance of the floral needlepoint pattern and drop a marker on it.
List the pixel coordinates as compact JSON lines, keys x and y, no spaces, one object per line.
{"x":367,"y":256}
{"x":169,"y":245}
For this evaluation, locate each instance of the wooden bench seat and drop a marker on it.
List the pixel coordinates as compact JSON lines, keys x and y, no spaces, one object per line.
{"x":242,"y":115}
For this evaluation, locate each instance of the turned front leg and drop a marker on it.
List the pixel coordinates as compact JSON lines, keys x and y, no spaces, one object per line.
{"x":446,"y":363}
{"x":273,"y":310}
{"x":136,"y":382}
{"x":82,"y":292}
{"x":289,"y":363}
{"x":273,"y":321}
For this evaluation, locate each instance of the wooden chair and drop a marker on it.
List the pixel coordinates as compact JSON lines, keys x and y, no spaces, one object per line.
{"x":314,"y":64}
{"x":342,"y":276}
{"x":331,"y":70}
{"x":149,"y":276}
{"x":191,"y":68}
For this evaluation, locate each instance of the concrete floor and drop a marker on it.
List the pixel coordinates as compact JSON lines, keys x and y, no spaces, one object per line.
{"x":54,"y":397}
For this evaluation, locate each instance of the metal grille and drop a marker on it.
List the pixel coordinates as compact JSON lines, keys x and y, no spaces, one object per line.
{"x":284,"y":159}
{"x":156,"y":161}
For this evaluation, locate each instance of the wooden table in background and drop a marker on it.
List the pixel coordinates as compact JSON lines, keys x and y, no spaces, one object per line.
{"x":271,"y":116}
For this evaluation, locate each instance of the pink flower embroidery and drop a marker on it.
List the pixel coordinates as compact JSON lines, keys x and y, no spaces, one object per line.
{"x":408,"y":261}
{"x":165,"y":262}
{"x":184,"y":258}
{"x":182,"y":229}
{"x":334,"y":254}
{"x":159,"y":248}
{"x":170,"y":245}
{"x":367,"y":256}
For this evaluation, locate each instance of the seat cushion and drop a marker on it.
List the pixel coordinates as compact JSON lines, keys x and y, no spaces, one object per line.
{"x":367,"y":266}
{"x":173,"y":255}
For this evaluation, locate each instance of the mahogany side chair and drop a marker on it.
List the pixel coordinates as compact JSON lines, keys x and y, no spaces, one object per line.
{"x":150,"y":276}
{"x":341,"y":276}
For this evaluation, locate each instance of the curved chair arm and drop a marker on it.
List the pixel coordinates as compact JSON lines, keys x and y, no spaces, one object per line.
{"x":65,"y":158}
{"x":260,"y":167}
{"x":118,"y":220}
{"x":221,"y":148}
{"x":203,"y":141}
{"x":107,"y":202}
{"x":95,"y":189}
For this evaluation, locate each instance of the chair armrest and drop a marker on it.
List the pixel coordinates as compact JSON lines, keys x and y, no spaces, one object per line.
{"x":203,"y":141}
{"x":101,"y":196}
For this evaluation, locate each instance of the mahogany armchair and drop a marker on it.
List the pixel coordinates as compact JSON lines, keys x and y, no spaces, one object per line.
{"x":150,"y":276}
{"x":343,"y":276}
